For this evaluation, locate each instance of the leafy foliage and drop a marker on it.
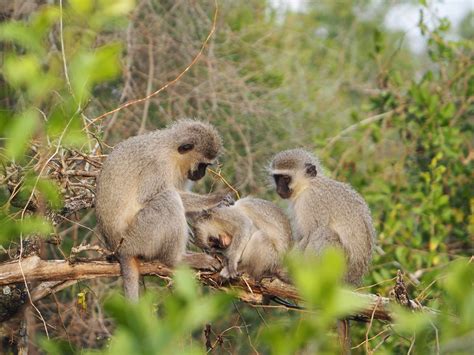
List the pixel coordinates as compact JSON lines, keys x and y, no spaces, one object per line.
{"x":269,"y":81}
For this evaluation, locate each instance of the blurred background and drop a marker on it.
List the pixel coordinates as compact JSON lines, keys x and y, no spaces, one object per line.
{"x":380,"y":91}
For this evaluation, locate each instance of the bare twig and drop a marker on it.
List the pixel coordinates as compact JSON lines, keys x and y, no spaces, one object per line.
{"x":353,"y":127}
{"x":218,"y":174}
{"x":175,"y":80}
{"x":151,"y":70}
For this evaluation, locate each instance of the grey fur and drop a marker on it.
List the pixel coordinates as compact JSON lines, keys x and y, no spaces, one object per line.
{"x":260,"y":235}
{"x":326,"y":212}
{"x":140,"y":202}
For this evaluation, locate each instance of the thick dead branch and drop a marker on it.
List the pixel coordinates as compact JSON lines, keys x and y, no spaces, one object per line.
{"x":36,"y":269}
{"x":59,"y":274}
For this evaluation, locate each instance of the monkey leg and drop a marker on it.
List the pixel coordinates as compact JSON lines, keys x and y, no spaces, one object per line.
{"x":320,"y":239}
{"x":159,"y":230}
{"x":260,"y":257}
{"x":239,"y":227}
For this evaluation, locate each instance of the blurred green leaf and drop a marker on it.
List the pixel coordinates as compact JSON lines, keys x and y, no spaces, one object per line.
{"x":409,"y":323}
{"x":89,"y":68}
{"x":116,"y":7}
{"x":141,"y":331}
{"x":50,"y":192}
{"x":23,"y":35}
{"x":19,"y":132}
{"x":82,"y":7}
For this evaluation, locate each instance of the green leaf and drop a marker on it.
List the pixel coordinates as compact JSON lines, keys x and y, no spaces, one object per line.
{"x":185,"y":285}
{"x":82,"y":7}
{"x":318,"y":277}
{"x":35,"y":225}
{"x":90,"y":68}
{"x":30,"y":68}
{"x":50,"y":192}
{"x":408,"y":322}
{"x":22,"y":35}
{"x":116,"y":7}
{"x":19,"y":133}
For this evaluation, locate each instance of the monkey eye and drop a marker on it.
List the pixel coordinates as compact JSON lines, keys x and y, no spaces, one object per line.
{"x":184,"y":148}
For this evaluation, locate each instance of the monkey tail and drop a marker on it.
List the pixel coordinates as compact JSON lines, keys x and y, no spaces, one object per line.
{"x":130,"y":274}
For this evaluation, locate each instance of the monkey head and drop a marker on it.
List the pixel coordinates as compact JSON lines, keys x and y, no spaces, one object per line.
{"x":198,"y":144}
{"x":208,"y":234}
{"x":292,"y":170}
{"x":209,"y":239}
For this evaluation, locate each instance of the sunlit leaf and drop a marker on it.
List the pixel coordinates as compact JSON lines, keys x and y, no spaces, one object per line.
{"x":89,"y":68}
{"x":82,"y":7}
{"x":23,"y":35}
{"x":19,"y":131}
{"x":116,"y":7}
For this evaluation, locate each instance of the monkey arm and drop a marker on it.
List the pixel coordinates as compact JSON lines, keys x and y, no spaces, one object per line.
{"x":240,"y":228}
{"x":195,"y":202}
{"x":319,"y":239}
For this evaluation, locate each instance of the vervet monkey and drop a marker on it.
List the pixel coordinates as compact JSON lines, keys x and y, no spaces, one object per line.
{"x":140,"y":202}
{"x":253,"y":235}
{"x":325,"y":212}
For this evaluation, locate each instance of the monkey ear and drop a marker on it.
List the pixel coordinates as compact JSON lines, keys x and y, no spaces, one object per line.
{"x":184,"y":148}
{"x":311,"y":169}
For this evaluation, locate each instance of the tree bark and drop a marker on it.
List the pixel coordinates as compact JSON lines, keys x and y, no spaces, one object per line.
{"x":56,"y":275}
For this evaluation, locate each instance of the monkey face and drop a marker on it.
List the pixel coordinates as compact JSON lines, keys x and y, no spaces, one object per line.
{"x":198,"y":144}
{"x":199,"y":172}
{"x":282,"y":183}
{"x":220,"y":243}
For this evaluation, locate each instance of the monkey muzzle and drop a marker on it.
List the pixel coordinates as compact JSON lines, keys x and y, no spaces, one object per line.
{"x":282,"y":186}
{"x":198,"y":173}
{"x":284,"y":193}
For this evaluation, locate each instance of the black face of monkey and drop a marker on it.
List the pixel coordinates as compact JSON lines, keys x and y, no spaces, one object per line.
{"x":214,"y":243}
{"x":282,"y":183}
{"x":199,"y":172}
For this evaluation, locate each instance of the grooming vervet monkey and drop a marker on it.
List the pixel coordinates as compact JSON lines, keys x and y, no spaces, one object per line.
{"x":253,"y":235}
{"x":325,"y":212}
{"x":140,"y":202}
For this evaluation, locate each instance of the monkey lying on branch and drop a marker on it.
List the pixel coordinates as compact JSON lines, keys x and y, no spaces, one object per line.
{"x":253,"y":235}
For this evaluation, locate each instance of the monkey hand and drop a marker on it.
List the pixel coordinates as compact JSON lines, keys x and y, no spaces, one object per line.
{"x":202,"y":261}
{"x":227,"y":200}
{"x":228,"y":272}
{"x":197,"y":216}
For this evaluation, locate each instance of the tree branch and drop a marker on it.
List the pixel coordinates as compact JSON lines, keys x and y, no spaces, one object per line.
{"x":59,"y":274}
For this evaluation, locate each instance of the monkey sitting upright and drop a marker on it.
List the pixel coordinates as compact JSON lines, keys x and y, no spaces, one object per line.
{"x":253,"y":235}
{"x":140,"y":202}
{"x":325,"y":212}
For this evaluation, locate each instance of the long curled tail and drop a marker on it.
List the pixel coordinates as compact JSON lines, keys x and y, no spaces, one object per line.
{"x":130,"y":273}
